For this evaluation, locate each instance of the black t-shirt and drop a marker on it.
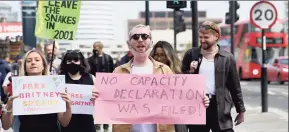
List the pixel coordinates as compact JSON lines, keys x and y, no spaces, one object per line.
{"x":80,"y":122}
{"x":100,"y":64}
{"x":39,"y":123}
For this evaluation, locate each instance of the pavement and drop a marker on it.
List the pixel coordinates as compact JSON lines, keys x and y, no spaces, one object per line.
{"x":275,"y":120}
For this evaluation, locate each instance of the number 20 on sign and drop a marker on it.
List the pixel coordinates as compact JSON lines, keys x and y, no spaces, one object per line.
{"x":263,"y":15}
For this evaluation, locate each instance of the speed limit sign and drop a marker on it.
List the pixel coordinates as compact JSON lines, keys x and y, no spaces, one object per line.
{"x":263,"y":15}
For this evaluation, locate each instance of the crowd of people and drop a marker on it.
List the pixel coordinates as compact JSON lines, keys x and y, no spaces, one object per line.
{"x":222,"y":82}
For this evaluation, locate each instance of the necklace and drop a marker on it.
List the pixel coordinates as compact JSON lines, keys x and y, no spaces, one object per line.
{"x":210,"y":52}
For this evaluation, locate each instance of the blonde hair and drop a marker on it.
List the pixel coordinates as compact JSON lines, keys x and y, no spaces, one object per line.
{"x":140,"y":26}
{"x":23,"y":65}
{"x":212,"y":25}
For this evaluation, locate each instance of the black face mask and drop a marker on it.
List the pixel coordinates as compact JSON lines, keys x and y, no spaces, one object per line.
{"x":95,"y":52}
{"x":72,"y":68}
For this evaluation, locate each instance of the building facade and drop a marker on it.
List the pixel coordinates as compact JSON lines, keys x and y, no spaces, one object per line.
{"x":6,"y":13}
{"x":163,"y":20}
{"x":96,"y":23}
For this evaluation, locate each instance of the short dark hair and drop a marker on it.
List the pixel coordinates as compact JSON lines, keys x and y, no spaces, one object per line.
{"x":83,"y":62}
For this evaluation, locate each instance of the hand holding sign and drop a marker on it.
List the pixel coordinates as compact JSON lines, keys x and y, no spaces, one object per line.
{"x":95,"y":94}
{"x":9,"y":104}
{"x":206,"y":101}
{"x":66,"y":98}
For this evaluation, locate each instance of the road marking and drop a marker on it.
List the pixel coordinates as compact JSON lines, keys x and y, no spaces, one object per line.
{"x":244,"y":83}
{"x":271,"y":93}
{"x":249,"y":89}
{"x":283,"y":114}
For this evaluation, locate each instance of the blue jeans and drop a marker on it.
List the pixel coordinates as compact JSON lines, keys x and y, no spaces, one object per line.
{"x":16,"y":124}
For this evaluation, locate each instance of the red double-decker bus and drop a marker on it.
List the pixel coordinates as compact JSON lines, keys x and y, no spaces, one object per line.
{"x":248,"y":46}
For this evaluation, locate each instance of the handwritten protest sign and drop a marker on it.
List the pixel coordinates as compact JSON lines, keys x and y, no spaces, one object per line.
{"x":80,"y":96}
{"x":57,"y":19}
{"x":38,"y":94}
{"x":164,"y":99}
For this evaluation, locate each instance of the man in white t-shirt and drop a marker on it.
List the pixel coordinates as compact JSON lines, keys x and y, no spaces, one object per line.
{"x":222,"y":80}
{"x":139,"y":43}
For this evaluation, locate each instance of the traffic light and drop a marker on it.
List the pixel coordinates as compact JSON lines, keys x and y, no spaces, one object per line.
{"x":180,"y":22}
{"x":177,"y":4}
{"x":234,"y":6}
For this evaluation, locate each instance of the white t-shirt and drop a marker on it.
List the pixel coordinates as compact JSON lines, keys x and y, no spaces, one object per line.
{"x":6,"y":81}
{"x":147,"y":69}
{"x":207,"y":68}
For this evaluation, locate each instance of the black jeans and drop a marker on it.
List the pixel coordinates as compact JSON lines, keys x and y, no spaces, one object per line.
{"x":211,"y":120}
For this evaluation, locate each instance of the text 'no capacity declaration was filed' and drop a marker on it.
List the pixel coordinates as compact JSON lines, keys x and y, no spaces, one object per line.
{"x":163,"y":96}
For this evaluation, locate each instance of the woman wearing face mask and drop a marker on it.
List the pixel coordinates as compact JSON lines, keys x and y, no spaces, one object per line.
{"x":34,"y":64}
{"x":75,"y":68}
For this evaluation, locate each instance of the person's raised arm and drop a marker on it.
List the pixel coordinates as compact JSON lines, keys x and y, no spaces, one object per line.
{"x":7,"y":116}
{"x":65,"y":117}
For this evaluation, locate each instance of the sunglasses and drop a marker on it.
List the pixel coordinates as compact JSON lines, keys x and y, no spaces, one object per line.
{"x":143,"y":36}
{"x":207,"y":27}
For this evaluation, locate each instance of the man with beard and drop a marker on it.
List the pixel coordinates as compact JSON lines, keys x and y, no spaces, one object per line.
{"x":55,"y":61}
{"x":222,"y":81}
{"x":100,"y":62}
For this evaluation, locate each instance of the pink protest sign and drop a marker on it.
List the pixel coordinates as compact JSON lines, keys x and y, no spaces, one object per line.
{"x":141,"y":99}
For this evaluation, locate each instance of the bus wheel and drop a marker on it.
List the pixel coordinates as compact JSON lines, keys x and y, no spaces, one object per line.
{"x":279,"y":79}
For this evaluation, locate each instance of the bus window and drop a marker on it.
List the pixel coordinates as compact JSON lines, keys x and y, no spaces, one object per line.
{"x":256,"y":56}
{"x":252,"y":28}
{"x":271,"y":53}
{"x":225,"y":30}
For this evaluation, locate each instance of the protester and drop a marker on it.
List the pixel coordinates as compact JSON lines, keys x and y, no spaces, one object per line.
{"x":164,"y":52}
{"x":100,"y":62}
{"x":15,"y":68}
{"x":126,"y":58}
{"x":5,"y":68}
{"x":222,"y":81}
{"x":76,"y":70}
{"x":48,"y":48}
{"x":34,"y":64}
{"x":139,"y":43}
